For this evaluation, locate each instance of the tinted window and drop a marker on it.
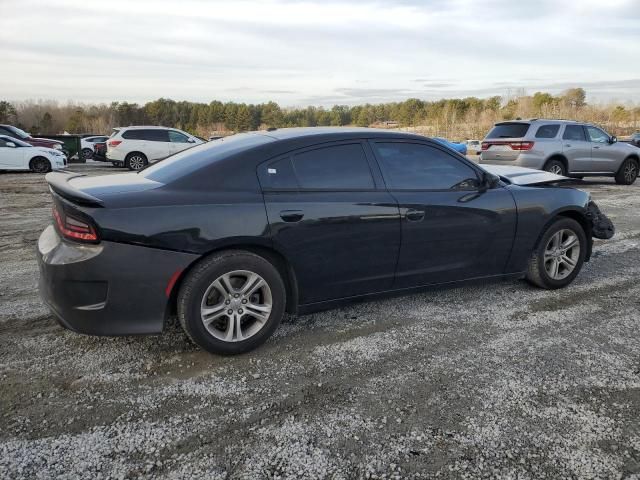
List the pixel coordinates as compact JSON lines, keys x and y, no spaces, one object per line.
{"x":509,"y":130}
{"x":278,"y":175}
{"x":337,"y":167}
{"x":152,"y":135}
{"x":547,"y":131}
{"x":177,"y":137}
{"x":420,"y":167}
{"x":574,"y":132}
{"x":597,"y":135}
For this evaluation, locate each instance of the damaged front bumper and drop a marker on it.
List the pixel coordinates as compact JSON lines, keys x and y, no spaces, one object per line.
{"x":601,"y":226}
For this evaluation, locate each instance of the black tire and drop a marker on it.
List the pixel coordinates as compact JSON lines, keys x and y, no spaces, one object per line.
{"x":136,"y":161}
{"x":40,"y":165}
{"x":198,"y":282}
{"x":628,"y":172}
{"x":537,"y":273}
{"x":557,"y":167}
{"x":87,"y":153}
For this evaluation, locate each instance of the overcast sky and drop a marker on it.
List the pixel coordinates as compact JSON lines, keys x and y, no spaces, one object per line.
{"x":317,"y":52}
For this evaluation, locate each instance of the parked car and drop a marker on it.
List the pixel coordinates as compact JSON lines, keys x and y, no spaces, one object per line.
{"x":100,"y":152}
{"x":136,"y":147}
{"x":15,"y":132}
{"x":87,"y":145}
{"x":635,"y":139}
{"x":231,"y":234}
{"x":474,"y":146}
{"x":18,"y":155}
{"x":563,"y":147}
{"x":458,"y":147}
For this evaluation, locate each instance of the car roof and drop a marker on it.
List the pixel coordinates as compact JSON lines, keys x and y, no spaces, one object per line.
{"x":146,"y":127}
{"x":322,"y":133}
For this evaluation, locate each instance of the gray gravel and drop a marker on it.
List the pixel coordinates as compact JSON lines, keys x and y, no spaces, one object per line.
{"x":500,"y":380}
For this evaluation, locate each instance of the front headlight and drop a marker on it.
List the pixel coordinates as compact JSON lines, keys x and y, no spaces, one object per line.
{"x":57,"y":146}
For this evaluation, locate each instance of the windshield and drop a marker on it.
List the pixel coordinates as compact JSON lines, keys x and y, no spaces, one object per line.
{"x":21,"y":133}
{"x":18,"y":142}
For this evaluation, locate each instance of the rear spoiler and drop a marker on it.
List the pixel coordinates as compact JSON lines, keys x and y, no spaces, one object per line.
{"x":59,"y":183}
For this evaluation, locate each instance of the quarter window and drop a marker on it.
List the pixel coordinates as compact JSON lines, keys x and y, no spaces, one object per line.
{"x":338,"y":167}
{"x":278,"y":175}
{"x":574,"y":132}
{"x":547,"y":131}
{"x":596,"y":135}
{"x":412,"y":166}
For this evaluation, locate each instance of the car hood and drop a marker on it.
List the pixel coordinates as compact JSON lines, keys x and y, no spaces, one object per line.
{"x":524,"y":176}
{"x":51,"y":151}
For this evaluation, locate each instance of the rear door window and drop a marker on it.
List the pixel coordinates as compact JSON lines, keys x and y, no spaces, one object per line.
{"x":337,"y":167}
{"x":574,"y":132}
{"x":547,"y":131}
{"x":509,"y":130}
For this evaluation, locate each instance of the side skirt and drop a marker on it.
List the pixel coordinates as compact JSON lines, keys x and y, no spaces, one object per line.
{"x":329,"y":304}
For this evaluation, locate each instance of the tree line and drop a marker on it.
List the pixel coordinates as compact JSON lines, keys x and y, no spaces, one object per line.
{"x":456,"y":118}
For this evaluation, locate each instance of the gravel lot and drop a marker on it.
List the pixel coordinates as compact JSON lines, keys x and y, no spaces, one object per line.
{"x":501,"y":380}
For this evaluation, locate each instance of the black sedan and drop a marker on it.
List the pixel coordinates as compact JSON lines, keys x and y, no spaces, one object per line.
{"x":231,"y":234}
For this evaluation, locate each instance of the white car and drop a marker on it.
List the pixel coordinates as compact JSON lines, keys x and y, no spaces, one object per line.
{"x":87,"y":144}
{"x":136,"y":147}
{"x":18,"y":155}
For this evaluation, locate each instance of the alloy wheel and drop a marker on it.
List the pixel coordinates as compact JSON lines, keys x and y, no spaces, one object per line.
{"x":561,"y":254}
{"x":40,"y":165}
{"x":630,"y":171}
{"x":236,"y":306}
{"x":136,"y":162}
{"x":557,"y":169}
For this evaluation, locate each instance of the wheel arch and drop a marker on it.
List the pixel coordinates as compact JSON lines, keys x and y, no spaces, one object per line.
{"x":574,"y":214}
{"x":277,"y":259}
{"x":560,"y":157}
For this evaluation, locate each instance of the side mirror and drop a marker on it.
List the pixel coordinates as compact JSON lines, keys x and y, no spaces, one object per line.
{"x":10,"y":145}
{"x":191,"y":140}
{"x":613,"y":139}
{"x":489,"y":181}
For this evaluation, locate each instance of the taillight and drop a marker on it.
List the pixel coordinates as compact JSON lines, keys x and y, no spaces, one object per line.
{"x":74,"y":228}
{"x":114,"y":143}
{"x":519,"y":146}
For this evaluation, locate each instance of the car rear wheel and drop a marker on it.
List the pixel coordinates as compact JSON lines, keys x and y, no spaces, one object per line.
{"x":628,"y":172}
{"x":40,"y":165}
{"x":87,"y":153}
{"x":135,"y":161}
{"x":559,"y":255}
{"x":556,"y":166}
{"x":231,"y":302}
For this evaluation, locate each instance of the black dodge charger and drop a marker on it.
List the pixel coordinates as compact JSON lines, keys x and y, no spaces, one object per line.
{"x":231,"y":234}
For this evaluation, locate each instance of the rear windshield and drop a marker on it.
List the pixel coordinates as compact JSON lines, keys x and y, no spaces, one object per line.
{"x":509,"y":130}
{"x":203,"y":155}
{"x":114,"y":133}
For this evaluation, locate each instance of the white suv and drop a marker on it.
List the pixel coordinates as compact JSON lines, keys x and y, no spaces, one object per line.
{"x":136,"y":147}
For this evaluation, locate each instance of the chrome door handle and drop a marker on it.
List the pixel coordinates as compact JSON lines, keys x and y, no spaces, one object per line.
{"x":596,"y":146}
{"x":568,"y":145}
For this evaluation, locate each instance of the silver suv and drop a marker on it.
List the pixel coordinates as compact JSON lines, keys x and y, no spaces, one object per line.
{"x":560,"y":146}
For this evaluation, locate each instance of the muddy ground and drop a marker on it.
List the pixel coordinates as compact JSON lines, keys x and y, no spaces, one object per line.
{"x":500,"y":380}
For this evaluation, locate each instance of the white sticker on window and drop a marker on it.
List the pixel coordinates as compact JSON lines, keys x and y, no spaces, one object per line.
{"x":271,"y":171}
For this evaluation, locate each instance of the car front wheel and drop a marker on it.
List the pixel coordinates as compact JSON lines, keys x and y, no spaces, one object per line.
{"x":40,"y":165}
{"x":559,"y":256}
{"x":87,"y":153}
{"x":231,"y":302}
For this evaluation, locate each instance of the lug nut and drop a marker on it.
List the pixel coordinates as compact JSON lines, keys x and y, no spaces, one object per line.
{"x":240,"y":310}
{"x":244,"y":300}
{"x":236,"y":296}
{"x":227,"y":302}
{"x":229,"y":311}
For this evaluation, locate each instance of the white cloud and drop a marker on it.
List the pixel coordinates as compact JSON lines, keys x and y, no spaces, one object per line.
{"x":323,"y":52}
